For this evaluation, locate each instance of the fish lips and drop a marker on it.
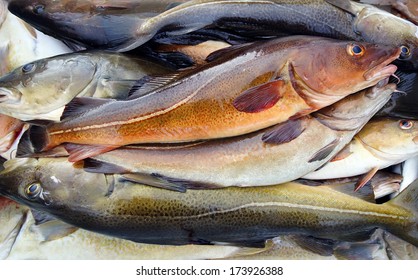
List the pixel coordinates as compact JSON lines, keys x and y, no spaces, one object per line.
{"x":382,"y":70}
{"x":9,"y":96}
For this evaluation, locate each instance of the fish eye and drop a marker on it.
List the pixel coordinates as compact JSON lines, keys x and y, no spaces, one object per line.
{"x":33,"y":190}
{"x":355,"y":50}
{"x":405,"y":52}
{"x":406,"y":124}
{"x":28,"y":68}
{"x":38,"y":9}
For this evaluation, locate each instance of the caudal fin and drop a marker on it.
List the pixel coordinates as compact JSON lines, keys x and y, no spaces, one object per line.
{"x":408,"y":199}
{"x":34,"y":140}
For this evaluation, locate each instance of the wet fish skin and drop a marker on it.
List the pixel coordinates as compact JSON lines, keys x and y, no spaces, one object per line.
{"x":339,"y":19}
{"x":200,"y":104}
{"x":246,"y":216}
{"x":381,"y":143}
{"x":105,"y":24}
{"x":41,"y":89}
{"x":247,"y":160}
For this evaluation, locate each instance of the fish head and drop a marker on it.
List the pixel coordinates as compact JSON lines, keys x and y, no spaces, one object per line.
{"x":354,"y":111}
{"x":329,"y":69}
{"x":50,"y":185}
{"x":390,"y":137}
{"x":378,"y":26}
{"x":45,"y":85}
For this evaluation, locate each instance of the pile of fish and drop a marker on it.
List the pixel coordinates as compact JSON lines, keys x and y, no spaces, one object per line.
{"x":253,"y":129}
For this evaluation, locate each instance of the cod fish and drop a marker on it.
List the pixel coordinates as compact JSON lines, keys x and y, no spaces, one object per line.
{"x":381,"y":143}
{"x":122,"y":28}
{"x":279,"y":154}
{"x":109,"y":205}
{"x":39,"y":90}
{"x":248,"y":89}
{"x":22,"y":238}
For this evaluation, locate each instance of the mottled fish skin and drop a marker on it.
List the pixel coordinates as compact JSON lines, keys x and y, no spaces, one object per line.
{"x":205,"y":102}
{"x":248,"y":160}
{"x":381,"y":143}
{"x":338,"y":19}
{"x":41,"y":89}
{"x":22,"y":239}
{"x":110,"y":205}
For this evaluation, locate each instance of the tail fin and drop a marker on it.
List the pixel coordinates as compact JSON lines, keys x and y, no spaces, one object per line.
{"x":408,"y":199}
{"x":34,"y":140}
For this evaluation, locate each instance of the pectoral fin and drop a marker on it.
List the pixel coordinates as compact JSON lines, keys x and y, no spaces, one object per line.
{"x":366,"y":178}
{"x":260,"y":98}
{"x":7,"y":244}
{"x":285,"y":132}
{"x":325,"y":151}
{"x":344,"y":153}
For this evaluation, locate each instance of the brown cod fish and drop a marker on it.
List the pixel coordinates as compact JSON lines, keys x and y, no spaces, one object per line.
{"x":241,"y":216}
{"x":244,"y":90}
{"x":276,"y":155}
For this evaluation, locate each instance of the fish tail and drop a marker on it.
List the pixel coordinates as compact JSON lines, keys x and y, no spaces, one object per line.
{"x":408,"y":199}
{"x":34,"y":140}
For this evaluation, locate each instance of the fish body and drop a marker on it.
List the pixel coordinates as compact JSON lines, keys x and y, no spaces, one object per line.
{"x":381,"y":143}
{"x":250,"y":160}
{"x":40,"y":89}
{"x":247,"y":216}
{"x":340,"y":19}
{"x":251,"y":88}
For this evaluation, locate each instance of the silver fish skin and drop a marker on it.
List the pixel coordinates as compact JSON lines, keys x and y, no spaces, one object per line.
{"x":41,"y":89}
{"x":248,"y":160}
{"x":244,"y":216}
{"x":381,"y":143}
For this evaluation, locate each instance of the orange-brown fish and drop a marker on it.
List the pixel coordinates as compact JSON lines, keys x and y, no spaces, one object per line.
{"x":240,"y":91}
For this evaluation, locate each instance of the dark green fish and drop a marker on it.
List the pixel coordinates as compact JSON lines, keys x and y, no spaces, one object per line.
{"x":246,"y":216}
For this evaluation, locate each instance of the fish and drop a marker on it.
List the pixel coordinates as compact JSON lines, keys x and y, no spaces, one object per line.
{"x":279,"y":154}
{"x":20,"y":43}
{"x":248,"y":217}
{"x":223,"y":98}
{"x":409,"y":9}
{"x":105,"y":23}
{"x":39,"y":90}
{"x":381,"y":143}
{"x":339,"y":19}
{"x":21,"y":238}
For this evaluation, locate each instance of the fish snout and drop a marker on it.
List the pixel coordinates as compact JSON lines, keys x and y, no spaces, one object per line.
{"x":9,"y":96}
{"x":383,"y":69}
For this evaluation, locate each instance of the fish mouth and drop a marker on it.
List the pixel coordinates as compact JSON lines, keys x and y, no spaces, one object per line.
{"x":383,"y":70}
{"x":9,"y":96}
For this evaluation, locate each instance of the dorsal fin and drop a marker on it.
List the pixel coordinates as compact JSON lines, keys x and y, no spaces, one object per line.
{"x":81,"y":105}
{"x":148,"y":84}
